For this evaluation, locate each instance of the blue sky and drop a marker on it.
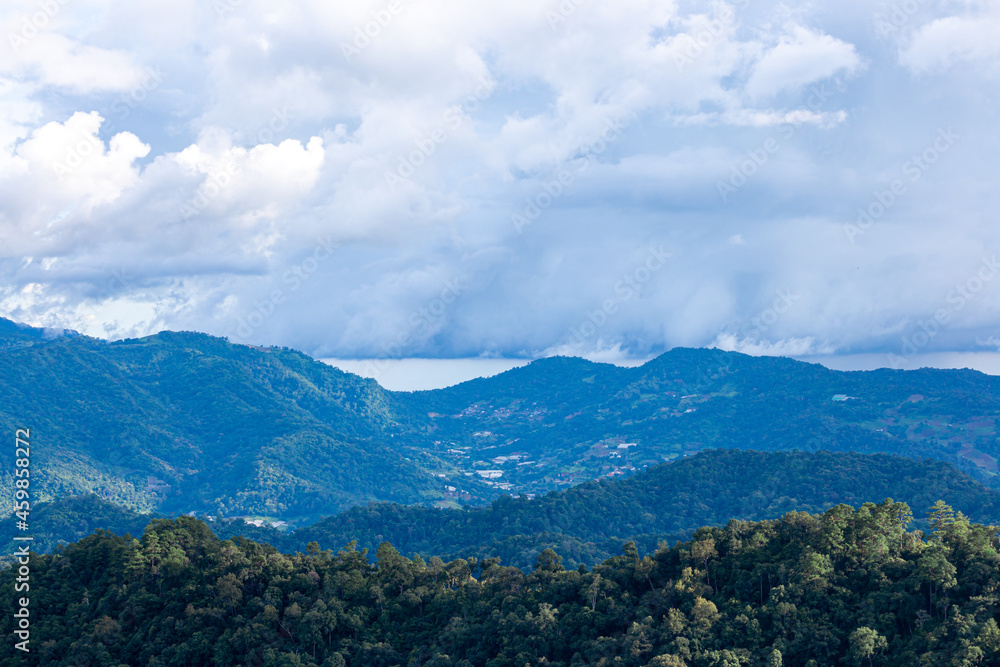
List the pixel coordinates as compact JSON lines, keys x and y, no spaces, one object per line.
{"x":507,"y":180}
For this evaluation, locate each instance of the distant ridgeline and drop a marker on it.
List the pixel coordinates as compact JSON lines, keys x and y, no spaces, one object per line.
{"x":589,"y":523}
{"x":848,"y":587}
{"x":185,"y":422}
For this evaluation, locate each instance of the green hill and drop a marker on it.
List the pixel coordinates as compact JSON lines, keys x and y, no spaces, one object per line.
{"x":847,"y":587}
{"x":590,"y":522}
{"x":559,"y":421}
{"x":181,"y":422}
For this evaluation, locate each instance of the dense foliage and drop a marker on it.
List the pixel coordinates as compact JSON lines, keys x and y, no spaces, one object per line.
{"x":70,"y":519}
{"x":588,"y":523}
{"x":570,"y":417}
{"x":591,"y":522}
{"x":848,"y":587}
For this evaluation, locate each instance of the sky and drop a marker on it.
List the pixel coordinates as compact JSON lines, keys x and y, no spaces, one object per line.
{"x":440,"y":180}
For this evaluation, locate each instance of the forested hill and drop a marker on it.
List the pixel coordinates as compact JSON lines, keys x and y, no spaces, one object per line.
{"x":184,"y":421}
{"x":848,"y":587}
{"x":181,"y":422}
{"x":590,"y":522}
{"x":561,"y":421}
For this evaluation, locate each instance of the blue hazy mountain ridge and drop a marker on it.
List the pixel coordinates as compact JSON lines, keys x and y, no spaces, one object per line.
{"x":184,"y":421}
{"x":571,"y":417}
{"x":180,"y":422}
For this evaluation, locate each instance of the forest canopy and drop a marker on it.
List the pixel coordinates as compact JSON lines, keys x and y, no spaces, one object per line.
{"x":845,"y":587}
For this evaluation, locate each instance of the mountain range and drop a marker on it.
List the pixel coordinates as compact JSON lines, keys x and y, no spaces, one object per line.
{"x":185,"y":422}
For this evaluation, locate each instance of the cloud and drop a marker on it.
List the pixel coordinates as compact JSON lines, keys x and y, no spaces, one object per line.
{"x":76,"y":166}
{"x":53,"y":59}
{"x":270,"y":185}
{"x":769,"y":118}
{"x":952,"y":40}
{"x":791,"y":347}
{"x":802,"y":57}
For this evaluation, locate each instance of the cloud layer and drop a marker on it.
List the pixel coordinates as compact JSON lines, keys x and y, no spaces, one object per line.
{"x":420,"y":178}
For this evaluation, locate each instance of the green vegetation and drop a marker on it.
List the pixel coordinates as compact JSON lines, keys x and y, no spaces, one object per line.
{"x":70,"y":519}
{"x":847,"y":587}
{"x":591,"y":522}
{"x":182,"y":422}
{"x":573,"y":420}
{"x":771,"y":564}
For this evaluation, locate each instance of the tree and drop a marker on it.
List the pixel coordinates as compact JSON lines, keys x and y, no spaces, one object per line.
{"x":229,"y":591}
{"x":549,"y":561}
{"x":865,"y":643}
{"x":935,"y":568}
{"x":702,"y":552}
{"x":941,"y":516}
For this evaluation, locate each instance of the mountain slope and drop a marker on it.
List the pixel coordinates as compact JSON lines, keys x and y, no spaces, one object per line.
{"x":561,"y":421}
{"x":590,"y":522}
{"x":667,"y":502}
{"x":181,"y":422}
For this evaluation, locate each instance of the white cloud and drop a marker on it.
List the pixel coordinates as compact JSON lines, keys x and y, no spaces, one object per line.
{"x":949,"y":41}
{"x":767,"y":118}
{"x":790,"y":347}
{"x":53,"y":59}
{"x":205,"y":193}
{"x":76,"y":166}
{"x":802,"y":57}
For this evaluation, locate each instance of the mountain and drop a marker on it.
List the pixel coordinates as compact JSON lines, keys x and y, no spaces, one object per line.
{"x":847,"y":587}
{"x":560,"y":421}
{"x":590,"y":522}
{"x":181,"y":422}
{"x":668,"y":502}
